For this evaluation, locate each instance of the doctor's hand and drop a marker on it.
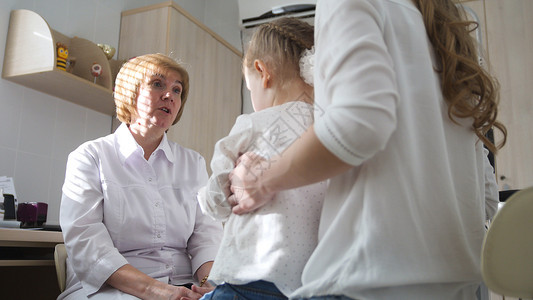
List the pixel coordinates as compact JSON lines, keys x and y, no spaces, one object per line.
{"x":171,"y":292}
{"x":199,"y":290}
{"x":247,"y":186}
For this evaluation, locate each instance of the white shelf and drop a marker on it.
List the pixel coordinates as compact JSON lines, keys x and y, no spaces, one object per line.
{"x":30,"y":60}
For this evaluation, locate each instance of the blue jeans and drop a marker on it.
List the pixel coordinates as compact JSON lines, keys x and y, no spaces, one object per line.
{"x":326,"y":298}
{"x":256,"y":290}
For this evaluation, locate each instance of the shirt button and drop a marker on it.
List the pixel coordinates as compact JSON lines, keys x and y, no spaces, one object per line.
{"x":150,"y":179}
{"x":159,"y":235}
{"x":157,"y":204}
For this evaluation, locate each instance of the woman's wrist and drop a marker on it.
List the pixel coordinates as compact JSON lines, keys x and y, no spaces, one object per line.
{"x":274,"y":176}
{"x":202,"y":274}
{"x":204,"y":280}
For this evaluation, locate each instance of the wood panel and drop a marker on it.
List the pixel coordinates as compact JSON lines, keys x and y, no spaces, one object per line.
{"x":214,"y":99}
{"x":510,"y":48}
{"x":507,"y":36}
{"x":477,"y":7}
{"x":143,"y":32}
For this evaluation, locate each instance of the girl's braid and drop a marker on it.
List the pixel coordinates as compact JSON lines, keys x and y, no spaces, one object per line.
{"x":289,"y":35}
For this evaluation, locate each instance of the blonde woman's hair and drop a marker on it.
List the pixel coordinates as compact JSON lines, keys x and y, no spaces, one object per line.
{"x":280,"y":44}
{"x":137,"y":71}
{"x":468,"y":88}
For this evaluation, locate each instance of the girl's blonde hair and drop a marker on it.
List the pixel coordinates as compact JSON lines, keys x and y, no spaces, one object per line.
{"x":468,"y":88}
{"x":279,"y":44}
{"x":138,"y":70}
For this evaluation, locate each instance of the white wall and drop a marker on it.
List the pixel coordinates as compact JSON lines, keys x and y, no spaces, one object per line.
{"x":38,"y":131}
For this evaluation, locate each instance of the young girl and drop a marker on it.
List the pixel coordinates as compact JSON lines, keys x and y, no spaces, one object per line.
{"x":262,"y":254}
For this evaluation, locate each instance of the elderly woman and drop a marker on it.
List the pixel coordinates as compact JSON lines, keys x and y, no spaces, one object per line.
{"x":129,"y":213}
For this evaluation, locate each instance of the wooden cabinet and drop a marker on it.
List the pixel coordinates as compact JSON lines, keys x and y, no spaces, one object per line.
{"x":510,"y":48}
{"x":214,"y":68}
{"x":24,"y":252}
{"x":508,"y":43}
{"x":30,"y":60}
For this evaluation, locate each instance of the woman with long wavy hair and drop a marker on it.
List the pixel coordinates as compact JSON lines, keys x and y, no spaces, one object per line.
{"x":402,"y":107}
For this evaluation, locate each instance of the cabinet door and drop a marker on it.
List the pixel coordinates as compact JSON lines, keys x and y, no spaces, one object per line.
{"x":214,"y":99}
{"x":143,"y":32}
{"x":510,"y":44}
{"x":475,"y":11}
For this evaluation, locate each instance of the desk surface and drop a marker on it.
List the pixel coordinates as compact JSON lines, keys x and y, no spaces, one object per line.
{"x":24,"y":240}
{"x":29,"y":237}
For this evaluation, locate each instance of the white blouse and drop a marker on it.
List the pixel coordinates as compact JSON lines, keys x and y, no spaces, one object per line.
{"x":274,"y":242}
{"x":117,"y":208}
{"x":408,"y":221}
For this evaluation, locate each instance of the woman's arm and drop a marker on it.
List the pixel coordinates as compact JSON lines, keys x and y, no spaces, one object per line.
{"x":356,"y":94}
{"x":89,"y":245}
{"x":306,"y":161}
{"x":203,"y":244}
{"x":203,"y":273}
{"x":134,"y":282}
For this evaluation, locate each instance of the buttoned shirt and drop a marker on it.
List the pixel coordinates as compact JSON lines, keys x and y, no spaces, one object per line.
{"x":118,"y":208}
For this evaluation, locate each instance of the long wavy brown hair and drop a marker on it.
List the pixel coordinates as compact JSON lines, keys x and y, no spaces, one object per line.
{"x":468,"y":88}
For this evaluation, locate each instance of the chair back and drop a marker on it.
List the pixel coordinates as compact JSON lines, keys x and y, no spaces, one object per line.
{"x":60,"y":258}
{"x":507,"y":256}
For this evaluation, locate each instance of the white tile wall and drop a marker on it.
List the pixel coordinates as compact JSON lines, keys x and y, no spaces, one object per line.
{"x":10,"y":111}
{"x":32,"y":177}
{"x":37,"y":131}
{"x":36,"y":123}
{"x":7,"y":161}
{"x":69,"y":126}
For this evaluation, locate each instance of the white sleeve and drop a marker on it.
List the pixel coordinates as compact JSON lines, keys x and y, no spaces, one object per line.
{"x":213,"y":197}
{"x":205,"y":240}
{"x":491,"y":188}
{"x":358,"y":78}
{"x":89,"y":246}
